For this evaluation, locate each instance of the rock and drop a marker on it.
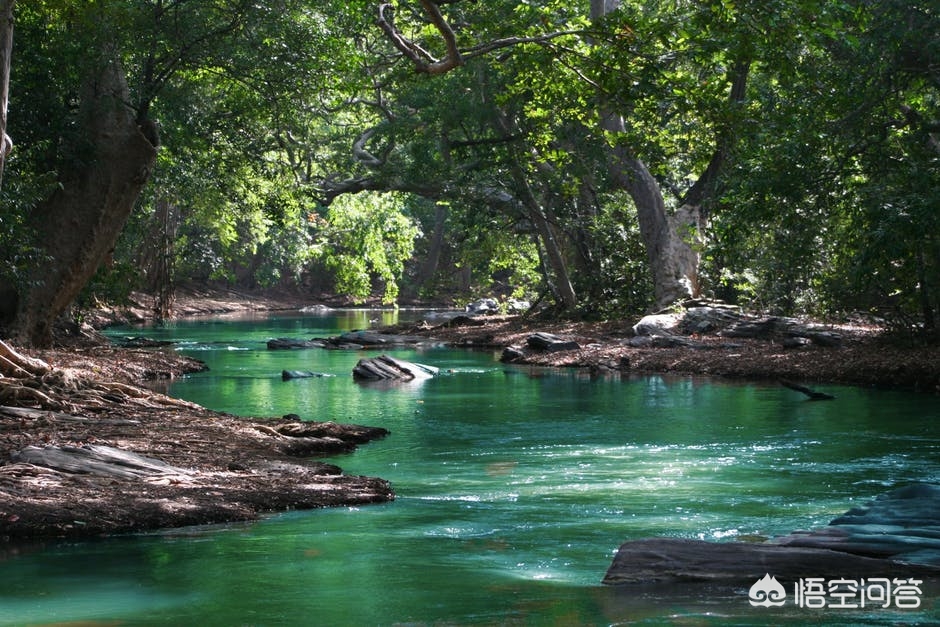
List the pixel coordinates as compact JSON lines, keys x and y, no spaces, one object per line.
{"x":673,"y":341}
{"x":388,"y":368}
{"x":287,"y":375}
{"x":287,"y":343}
{"x":371,"y":339}
{"x":483,"y":306}
{"x":679,"y":559}
{"x":358,"y":434}
{"x":707,"y":319}
{"x":463,"y":321}
{"x":551,"y":343}
{"x":657,"y":324}
{"x":765,"y":329}
{"x":511,"y":354}
{"x":796,"y":342}
{"x":903,"y":525}
{"x":517,"y":306}
{"x":829,"y":339}
{"x":898,"y":532}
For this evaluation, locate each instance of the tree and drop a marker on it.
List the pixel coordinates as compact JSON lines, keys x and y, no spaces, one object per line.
{"x":102,"y":141}
{"x":6,"y":55}
{"x":671,"y":238}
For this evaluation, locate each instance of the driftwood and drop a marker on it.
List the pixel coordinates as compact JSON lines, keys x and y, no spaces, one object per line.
{"x":98,"y":460}
{"x":386,"y":368}
{"x":812,"y":394}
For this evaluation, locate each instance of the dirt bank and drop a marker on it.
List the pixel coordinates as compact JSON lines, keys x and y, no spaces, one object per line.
{"x":79,"y":402}
{"x":865,"y":357}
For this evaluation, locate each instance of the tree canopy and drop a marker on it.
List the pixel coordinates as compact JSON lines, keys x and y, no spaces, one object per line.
{"x":603,"y":157}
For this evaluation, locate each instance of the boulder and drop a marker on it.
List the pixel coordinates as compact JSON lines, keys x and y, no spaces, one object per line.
{"x":551,"y":343}
{"x":654,"y":560}
{"x":708,"y":319}
{"x":898,"y":532}
{"x":511,"y":354}
{"x":657,"y":324}
{"x":483,"y":306}
{"x":387,"y":368}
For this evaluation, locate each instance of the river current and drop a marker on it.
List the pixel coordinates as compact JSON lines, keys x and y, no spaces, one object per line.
{"x":515,"y":486}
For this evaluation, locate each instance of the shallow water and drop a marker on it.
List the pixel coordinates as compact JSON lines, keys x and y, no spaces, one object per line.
{"x":514,"y":489}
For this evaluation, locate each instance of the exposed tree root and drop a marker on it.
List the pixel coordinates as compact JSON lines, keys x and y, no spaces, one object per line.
{"x":29,"y":382}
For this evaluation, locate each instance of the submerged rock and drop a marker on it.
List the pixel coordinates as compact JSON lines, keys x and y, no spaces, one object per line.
{"x":287,"y":375}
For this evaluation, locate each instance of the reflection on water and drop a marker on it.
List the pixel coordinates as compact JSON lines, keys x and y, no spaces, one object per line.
{"x":514,"y":486}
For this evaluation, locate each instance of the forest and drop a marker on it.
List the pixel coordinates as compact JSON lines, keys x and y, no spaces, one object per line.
{"x":602,"y":158}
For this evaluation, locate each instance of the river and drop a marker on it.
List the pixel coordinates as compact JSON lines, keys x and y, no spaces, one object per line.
{"x":514,"y":487}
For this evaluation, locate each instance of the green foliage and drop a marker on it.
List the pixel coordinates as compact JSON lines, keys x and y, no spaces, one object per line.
{"x":619,"y":283}
{"x":363,"y":238}
{"x":827,"y":202}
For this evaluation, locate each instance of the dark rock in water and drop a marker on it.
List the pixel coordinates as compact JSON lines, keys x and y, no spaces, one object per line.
{"x":551,"y":343}
{"x":680,"y":559}
{"x":371,"y":339}
{"x":358,"y":434}
{"x":287,"y":375}
{"x":386,"y":368}
{"x":286,"y":343}
{"x":511,"y":354}
{"x":897,"y":534}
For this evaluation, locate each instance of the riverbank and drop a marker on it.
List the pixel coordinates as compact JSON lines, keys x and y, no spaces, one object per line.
{"x":863,"y":357}
{"x":86,"y":451}
{"x":229,"y":469}
{"x":866,"y":356}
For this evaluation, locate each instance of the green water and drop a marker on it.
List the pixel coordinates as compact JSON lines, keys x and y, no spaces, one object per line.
{"x":514,"y":489}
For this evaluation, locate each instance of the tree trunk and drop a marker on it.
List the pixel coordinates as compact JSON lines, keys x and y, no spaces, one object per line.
{"x":78,"y":225}
{"x":6,"y":53}
{"x":428,"y":269}
{"x":669,"y":240}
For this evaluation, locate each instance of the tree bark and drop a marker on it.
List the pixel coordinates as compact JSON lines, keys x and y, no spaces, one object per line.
{"x":78,"y":225}
{"x":6,"y":54}
{"x":668,"y":239}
